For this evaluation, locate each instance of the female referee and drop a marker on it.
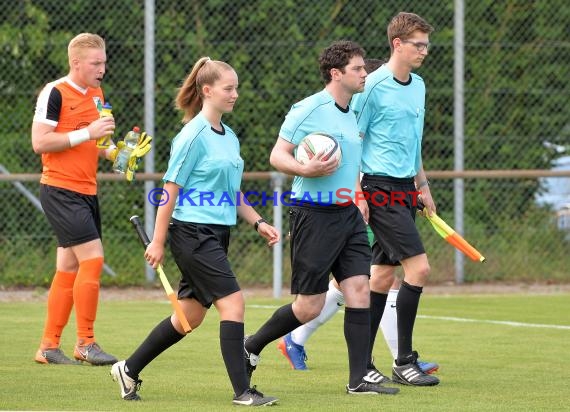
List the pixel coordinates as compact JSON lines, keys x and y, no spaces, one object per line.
{"x":204,"y":158}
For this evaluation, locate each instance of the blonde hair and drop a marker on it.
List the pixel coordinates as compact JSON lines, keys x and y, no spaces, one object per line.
{"x":84,"y":41}
{"x":189,"y":97}
{"x":404,"y":24}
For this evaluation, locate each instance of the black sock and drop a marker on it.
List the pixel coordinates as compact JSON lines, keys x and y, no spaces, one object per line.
{"x":231,"y":345}
{"x":377,"y":305}
{"x":159,"y":339}
{"x":406,"y":309}
{"x":356,"y":333}
{"x":281,"y":323}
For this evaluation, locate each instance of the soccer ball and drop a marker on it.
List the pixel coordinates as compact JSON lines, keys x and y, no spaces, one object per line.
{"x":315,"y":143}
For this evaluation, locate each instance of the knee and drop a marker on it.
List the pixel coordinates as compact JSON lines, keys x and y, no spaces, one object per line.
{"x":385,"y":283}
{"x":68,"y":267}
{"x":362,"y":289}
{"x":419,"y":276}
{"x":424,"y":271}
{"x":312,"y":312}
{"x":357,"y":292}
{"x":194,"y":325}
{"x":381,"y":283}
{"x":307,"y":311}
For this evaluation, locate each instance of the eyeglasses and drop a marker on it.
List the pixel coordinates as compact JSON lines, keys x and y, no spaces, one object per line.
{"x":419,"y":45}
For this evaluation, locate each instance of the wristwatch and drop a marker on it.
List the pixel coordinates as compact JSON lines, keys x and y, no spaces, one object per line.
{"x":257,"y":223}
{"x":423,"y":183}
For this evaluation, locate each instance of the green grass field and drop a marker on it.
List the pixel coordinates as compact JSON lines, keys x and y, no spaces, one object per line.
{"x":497,"y":353}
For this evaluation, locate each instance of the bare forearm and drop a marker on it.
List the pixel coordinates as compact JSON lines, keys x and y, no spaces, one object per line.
{"x":247,"y":212}
{"x":164,"y":213}
{"x":285,"y":163}
{"x":421,"y":179}
{"x":46,"y":140}
{"x":51,"y":142}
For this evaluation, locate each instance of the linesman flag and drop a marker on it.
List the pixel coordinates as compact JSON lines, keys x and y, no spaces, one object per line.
{"x":451,"y":236}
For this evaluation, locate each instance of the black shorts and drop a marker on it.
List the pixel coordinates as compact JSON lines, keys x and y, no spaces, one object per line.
{"x":74,"y":217}
{"x":326,"y":239}
{"x":392,"y":217}
{"x":201,"y":254}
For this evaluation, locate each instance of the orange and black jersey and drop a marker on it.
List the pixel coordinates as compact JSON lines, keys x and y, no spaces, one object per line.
{"x":67,"y":107}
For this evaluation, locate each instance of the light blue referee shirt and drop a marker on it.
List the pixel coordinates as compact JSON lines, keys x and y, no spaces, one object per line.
{"x":390,"y":115}
{"x":208,"y":167}
{"x":320,"y":113}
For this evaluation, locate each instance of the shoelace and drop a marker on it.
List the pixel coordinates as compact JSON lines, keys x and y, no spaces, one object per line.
{"x":138,"y":384}
{"x":254,"y":391}
{"x":91,"y":347}
{"x":56,"y":353}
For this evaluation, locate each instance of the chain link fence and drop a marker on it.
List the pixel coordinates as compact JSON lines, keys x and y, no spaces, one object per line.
{"x":516,"y":105}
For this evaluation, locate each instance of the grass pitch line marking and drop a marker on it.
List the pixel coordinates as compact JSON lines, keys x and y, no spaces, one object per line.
{"x":497,"y":322}
{"x":465,"y":320}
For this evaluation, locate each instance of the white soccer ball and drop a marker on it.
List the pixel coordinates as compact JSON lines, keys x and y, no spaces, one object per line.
{"x":315,"y":143}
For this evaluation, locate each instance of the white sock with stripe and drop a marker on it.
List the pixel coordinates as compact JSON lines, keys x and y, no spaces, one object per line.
{"x":389,"y":323}
{"x":333,"y":301}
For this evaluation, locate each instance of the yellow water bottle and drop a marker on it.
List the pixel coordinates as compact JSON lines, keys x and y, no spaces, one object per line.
{"x":105,"y":141}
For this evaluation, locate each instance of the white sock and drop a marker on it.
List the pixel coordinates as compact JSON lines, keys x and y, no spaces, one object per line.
{"x":389,"y":323}
{"x":333,"y":301}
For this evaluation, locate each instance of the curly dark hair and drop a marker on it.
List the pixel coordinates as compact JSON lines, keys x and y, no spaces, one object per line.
{"x":337,"y":56}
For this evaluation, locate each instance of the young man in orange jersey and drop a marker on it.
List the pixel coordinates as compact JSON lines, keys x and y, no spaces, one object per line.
{"x":64,"y":131}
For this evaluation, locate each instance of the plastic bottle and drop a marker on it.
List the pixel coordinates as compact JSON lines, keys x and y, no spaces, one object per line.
{"x":105,"y":141}
{"x":122,"y":159}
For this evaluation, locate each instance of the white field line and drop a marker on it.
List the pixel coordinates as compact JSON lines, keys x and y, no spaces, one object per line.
{"x":464,"y":320}
{"x":497,"y":322}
